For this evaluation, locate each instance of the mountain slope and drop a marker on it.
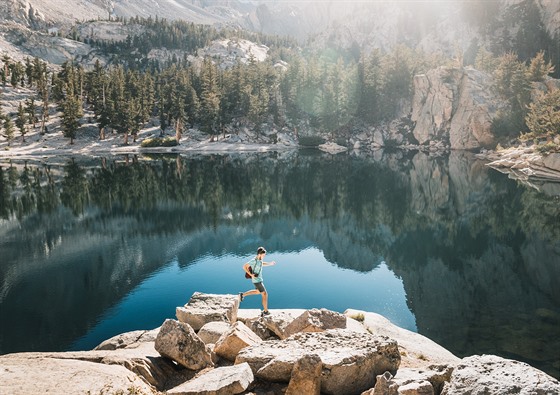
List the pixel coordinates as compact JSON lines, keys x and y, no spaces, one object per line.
{"x":432,"y":25}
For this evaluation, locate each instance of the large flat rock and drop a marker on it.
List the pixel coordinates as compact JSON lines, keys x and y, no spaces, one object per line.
{"x":203,"y":308}
{"x":351,"y":360}
{"x":417,"y":351}
{"x":490,"y":374}
{"x":227,"y":380}
{"x":25,"y":374}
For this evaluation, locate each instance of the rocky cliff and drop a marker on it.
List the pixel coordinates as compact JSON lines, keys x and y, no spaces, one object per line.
{"x":456,"y":106}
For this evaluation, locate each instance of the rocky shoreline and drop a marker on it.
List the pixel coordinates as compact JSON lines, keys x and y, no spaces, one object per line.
{"x":525,"y":164}
{"x":213,"y":347}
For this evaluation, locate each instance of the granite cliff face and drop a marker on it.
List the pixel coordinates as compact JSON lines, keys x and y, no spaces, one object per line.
{"x":456,"y":106}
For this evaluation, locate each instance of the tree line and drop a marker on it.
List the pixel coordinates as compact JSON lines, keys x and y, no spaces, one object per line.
{"x":329,"y":95}
{"x":324,"y":94}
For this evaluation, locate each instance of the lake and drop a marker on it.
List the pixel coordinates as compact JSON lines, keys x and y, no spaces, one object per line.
{"x":440,"y":245}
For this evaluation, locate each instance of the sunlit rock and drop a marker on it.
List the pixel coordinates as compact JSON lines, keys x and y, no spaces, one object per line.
{"x":416,"y":351}
{"x":490,"y":374}
{"x":315,"y":320}
{"x":234,"y":340}
{"x":350,"y":360}
{"x":126,"y":339}
{"x":226,"y":380}
{"x":552,"y":161}
{"x":211,"y":332}
{"x":408,"y":381}
{"x":203,"y":308}
{"x":278,"y":322}
{"x":179,"y":342}
{"x":306,"y":376}
{"x":24,"y":375}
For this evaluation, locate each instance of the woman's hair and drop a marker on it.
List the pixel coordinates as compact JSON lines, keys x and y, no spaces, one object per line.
{"x":261,"y":250}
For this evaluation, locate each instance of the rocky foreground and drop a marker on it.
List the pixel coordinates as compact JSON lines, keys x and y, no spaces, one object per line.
{"x":215,"y":348}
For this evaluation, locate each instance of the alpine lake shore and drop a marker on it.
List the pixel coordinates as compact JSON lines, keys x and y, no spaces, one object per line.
{"x":522,"y":162}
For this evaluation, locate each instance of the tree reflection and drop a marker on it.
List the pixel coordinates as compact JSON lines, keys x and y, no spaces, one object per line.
{"x":74,"y":189}
{"x":474,"y":249}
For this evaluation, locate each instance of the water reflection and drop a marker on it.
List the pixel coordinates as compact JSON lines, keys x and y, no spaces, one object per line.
{"x":86,"y":243}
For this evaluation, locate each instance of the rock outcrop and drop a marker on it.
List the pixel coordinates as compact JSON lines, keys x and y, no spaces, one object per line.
{"x":528,"y":166}
{"x":126,"y":339}
{"x":412,"y":381}
{"x":306,"y":376}
{"x":316,"y":320}
{"x":24,"y":374}
{"x":227,"y":380}
{"x":179,"y":342}
{"x":204,"y":308}
{"x":234,"y":340}
{"x":350,"y":360}
{"x":368,"y":357}
{"x":489,"y":374}
{"x":211,"y":332}
{"x":454,"y":105}
{"x":416,"y":350}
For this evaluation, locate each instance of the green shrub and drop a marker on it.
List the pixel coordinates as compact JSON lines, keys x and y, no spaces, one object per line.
{"x":311,"y":141}
{"x":507,"y":125}
{"x":358,"y":317}
{"x":151,"y":142}
{"x":158,"y":142}
{"x":169,"y":142}
{"x":548,"y":148}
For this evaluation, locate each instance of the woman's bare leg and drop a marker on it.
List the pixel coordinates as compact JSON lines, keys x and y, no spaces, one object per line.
{"x":251,"y":292}
{"x":265,"y":300}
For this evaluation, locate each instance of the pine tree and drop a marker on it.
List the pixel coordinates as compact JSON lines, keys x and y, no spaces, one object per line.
{"x":71,"y":114}
{"x":485,"y":61}
{"x":543,"y":117}
{"x":512,"y":81}
{"x":161,"y":109}
{"x":1,"y":116}
{"x":30,"y":111}
{"x":369,"y":72}
{"x":539,"y":69}
{"x":29,"y":72}
{"x":40,"y":73}
{"x":17,"y":73}
{"x":9,"y":129}
{"x":210,"y":98}
{"x":21,"y":121}
{"x":192,"y":103}
{"x":6,"y":70}
{"x":131,"y":120}
{"x":104,"y":116}
{"x":289,"y":84}
{"x":1,"y":110}
{"x":96,"y":81}
{"x":147,"y":95}
{"x":178,"y":113}
{"x":120,"y":104}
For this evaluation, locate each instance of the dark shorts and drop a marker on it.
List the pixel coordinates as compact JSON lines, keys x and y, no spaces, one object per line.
{"x":260,"y":287}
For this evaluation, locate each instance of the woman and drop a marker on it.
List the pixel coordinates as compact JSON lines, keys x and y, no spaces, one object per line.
{"x":254,"y":269}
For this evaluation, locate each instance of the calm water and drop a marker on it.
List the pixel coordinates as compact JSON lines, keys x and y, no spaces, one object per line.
{"x":444,"y":246}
